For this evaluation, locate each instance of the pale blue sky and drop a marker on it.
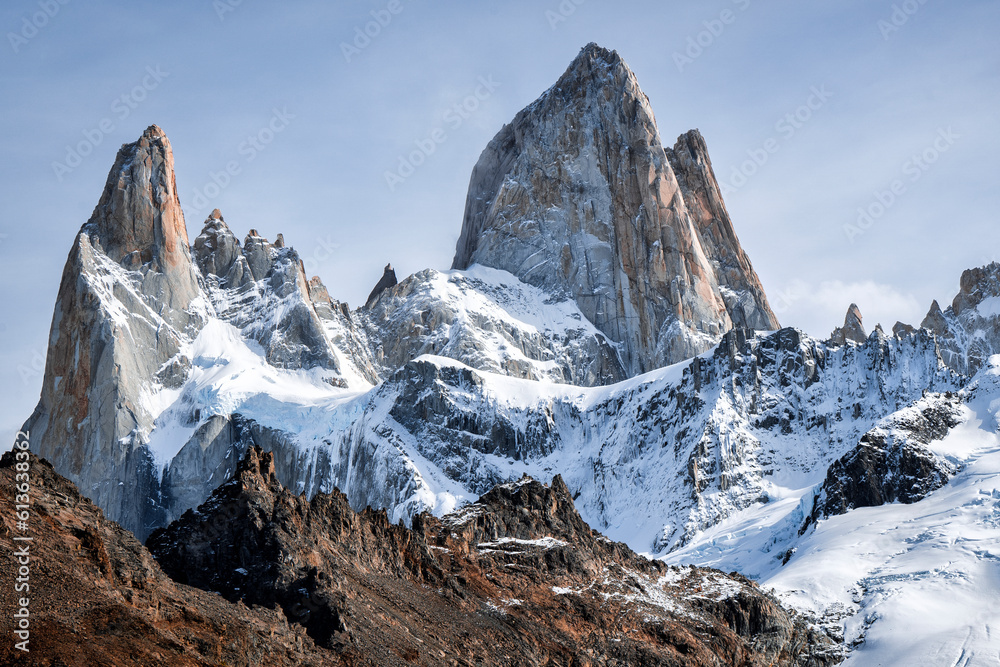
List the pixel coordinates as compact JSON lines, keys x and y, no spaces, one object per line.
{"x":223,"y":68}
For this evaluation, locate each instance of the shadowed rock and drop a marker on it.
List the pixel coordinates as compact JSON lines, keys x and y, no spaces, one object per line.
{"x":892,"y":463}
{"x":99,"y":598}
{"x":387,"y":280}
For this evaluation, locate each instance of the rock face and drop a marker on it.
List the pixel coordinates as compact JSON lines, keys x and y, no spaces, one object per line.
{"x":128,"y":301}
{"x":138,"y":223}
{"x":516,"y":578}
{"x":969,"y":330}
{"x":578,"y":196}
{"x":853,"y":330}
{"x":261,"y":289}
{"x":891,"y":462}
{"x":387,"y":280}
{"x":217,"y":252}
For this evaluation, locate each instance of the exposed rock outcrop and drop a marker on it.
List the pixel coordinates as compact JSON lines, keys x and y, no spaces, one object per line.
{"x":97,"y":596}
{"x":128,"y":300}
{"x":261,"y":289}
{"x":387,"y":280}
{"x":891,"y":463}
{"x":217,"y":252}
{"x":853,"y":330}
{"x":968,"y":332}
{"x":489,"y":320}
{"x":138,"y":223}
{"x":578,"y":196}
{"x":516,"y":578}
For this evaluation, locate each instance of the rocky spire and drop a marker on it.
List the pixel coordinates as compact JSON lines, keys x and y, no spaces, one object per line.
{"x":126,"y":305}
{"x":280,"y":313}
{"x":217,"y":252}
{"x":577,"y":195}
{"x":138,"y":220}
{"x":935,"y":320}
{"x":853,"y":329}
{"x":387,"y":280}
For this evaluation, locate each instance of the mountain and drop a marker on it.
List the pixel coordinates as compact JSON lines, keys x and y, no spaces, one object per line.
{"x":128,"y":299}
{"x":134,"y":297}
{"x":258,"y":575}
{"x":98,"y":597}
{"x":146,"y":325}
{"x":514,"y":578}
{"x":601,"y":324}
{"x":578,"y":196}
{"x":969,"y":330}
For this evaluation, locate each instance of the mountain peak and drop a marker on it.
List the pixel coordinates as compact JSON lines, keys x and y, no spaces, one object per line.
{"x":578,"y":196}
{"x":139,"y":210}
{"x":593,"y":56}
{"x":853,"y":329}
{"x":154,"y":131}
{"x":595,"y":50}
{"x":387,"y":280}
{"x":595,"y":68}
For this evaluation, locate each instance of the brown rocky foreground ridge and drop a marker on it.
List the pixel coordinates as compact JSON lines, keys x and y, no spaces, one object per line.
{"x":261,"y":576}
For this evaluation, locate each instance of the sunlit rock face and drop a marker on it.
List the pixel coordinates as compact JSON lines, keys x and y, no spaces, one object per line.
{"x":577,"y":195}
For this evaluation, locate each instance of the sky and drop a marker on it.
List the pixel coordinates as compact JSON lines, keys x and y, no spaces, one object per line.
{"x":856,"y":141}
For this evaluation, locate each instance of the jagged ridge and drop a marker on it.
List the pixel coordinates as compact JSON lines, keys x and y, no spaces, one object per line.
{"x":516,"y":578}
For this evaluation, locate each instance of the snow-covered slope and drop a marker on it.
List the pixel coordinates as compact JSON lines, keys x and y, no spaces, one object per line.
{"x":279,"y":364}
{"x":907,"y":584}
{"x":968,"y":331}
{"x":488,"y":319}
{"x":653,"y":460}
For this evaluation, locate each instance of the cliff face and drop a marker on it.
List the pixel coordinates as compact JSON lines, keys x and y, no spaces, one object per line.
{"x":133,"y":303}
{"x":577,"y":195}
{"x":127,"y":302}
